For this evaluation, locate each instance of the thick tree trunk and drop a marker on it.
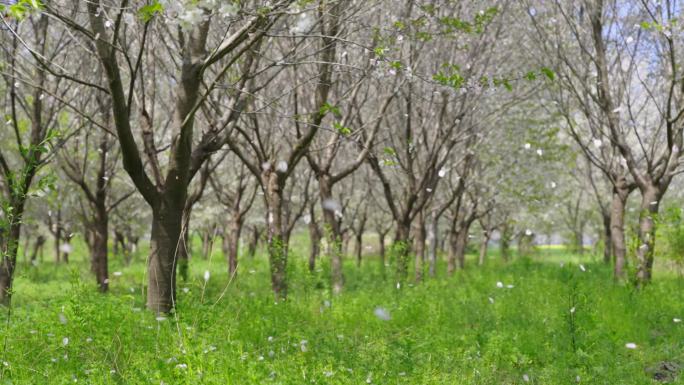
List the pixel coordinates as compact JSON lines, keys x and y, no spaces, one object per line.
{"x":420,"y":247}
{"x":162,"y":262}
{"x":432,"y":244}
{"x":650,"y":202}
{"x":484,"y":245}
{"x":617,"y":230}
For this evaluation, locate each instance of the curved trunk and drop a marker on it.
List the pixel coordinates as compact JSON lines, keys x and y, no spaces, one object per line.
{"x":617,"y":230}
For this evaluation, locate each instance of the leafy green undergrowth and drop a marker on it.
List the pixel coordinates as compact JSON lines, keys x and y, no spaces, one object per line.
{"x":547,"y":324}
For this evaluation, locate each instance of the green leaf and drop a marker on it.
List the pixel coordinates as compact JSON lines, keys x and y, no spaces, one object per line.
{"x":342,"y":129}
{"x":147,"y":12}
{"x":389,"y":151}
{"x":548,"y":72}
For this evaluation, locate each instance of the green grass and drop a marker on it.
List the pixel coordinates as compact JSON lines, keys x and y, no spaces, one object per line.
{"x":458,"y":330}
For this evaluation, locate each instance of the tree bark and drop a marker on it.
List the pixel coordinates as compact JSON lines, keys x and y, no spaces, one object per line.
{"x":233,"y":246}
{"x":253,"y":241}
{"x":650,"y":202}
{"x":607,"y":242}
{"x":277,"y":246}
{"x":315,"y":238}
{"x":333,"y":235}
{"x":432,"y":239}
{"x":99,"y":252}
{"x":401,"y":249}
{"x":164,"y":251}
{"x":484,"y":245}
{"x":9,"y":259}
{"x":420,"y":247}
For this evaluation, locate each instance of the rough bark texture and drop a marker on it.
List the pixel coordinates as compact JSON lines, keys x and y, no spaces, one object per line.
{"x":164,"y":247}
{"x":277,"y":246}
{"x":617,"y":230}
{"x":650,"y":201}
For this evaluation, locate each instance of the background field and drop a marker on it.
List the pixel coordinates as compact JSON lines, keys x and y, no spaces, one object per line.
{"x":458,"y":330}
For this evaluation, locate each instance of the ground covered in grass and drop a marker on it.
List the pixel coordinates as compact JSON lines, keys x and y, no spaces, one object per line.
{"x":528,"y":321}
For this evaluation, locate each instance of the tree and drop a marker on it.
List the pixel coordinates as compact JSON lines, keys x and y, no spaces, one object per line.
{"x":166,"y":190}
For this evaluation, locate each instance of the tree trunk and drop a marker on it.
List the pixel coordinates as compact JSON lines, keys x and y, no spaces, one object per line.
{"x":37,"y":248}
{"x":461,"y":244}
{"x":484,"y":245}
{"x":184,"y":246}
{"x":9,"y":259}
{"x":579,"y":240}
{"x":277,"y":247}
{"x":382,"y":250}
{"x":607,"y":243}
{"x":401,"y":249}
{"x":451,"y":255}
{"x":253,"y":241}
{"x":650,"y":201}
{"x":505,"y":242}
{"x":617,"y":230}
{"x":315,"y":237}
{"x":100,"y":232}
{"x":420,"y":247}
{"x":432,"y":244}
{"x":233,"y":237}
{"x":164,"y":250}
{"x":358,"y":247}
{"x":333,"y":235}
